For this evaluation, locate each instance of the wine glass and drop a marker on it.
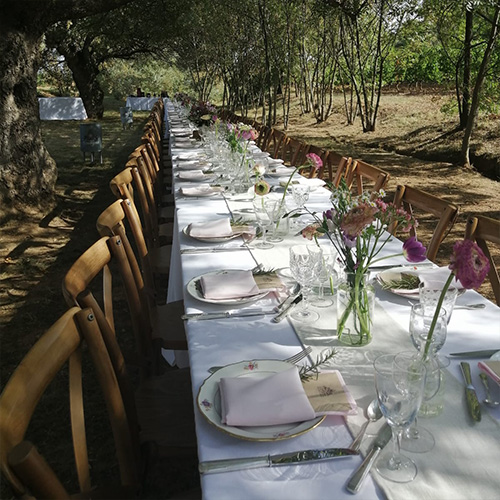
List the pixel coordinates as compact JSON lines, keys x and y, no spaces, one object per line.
{"x":263,"y":221}
{"x":301,"y":267}
{"x":400,"y":387}
{"x":429,"y":294}
{"x":275,"y":210}
{"x":324,"y":259}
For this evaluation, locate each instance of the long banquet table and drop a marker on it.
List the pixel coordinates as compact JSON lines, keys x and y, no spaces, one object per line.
{"x":464,"y":461}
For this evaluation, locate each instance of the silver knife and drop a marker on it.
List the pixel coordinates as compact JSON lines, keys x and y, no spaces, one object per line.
{"x":383,"y":437}
{"x":293,"y":458}
{"x":287,"y":310}
{"x":470,"y":393}
{"x":227,"y":314}
{"x":212,"y":249}
{"x":486,"y":353}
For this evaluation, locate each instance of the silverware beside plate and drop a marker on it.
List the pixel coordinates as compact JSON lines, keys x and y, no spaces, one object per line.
{"x":485,"y":353}
{"x":227,"y":314}
{"x":470,"y":393}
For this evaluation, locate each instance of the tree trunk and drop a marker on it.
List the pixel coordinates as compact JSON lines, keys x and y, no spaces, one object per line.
{"x":477,"y":87}
{"x":27,"y":171}
{"x":465,"y":108}
{"x":85,"y":72}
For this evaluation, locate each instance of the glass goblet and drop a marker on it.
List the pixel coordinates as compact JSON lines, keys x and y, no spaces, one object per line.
{"x":324,"y":259}
{"x":301,"y":267}
{"x":400,"y":387}
{"x":263,"y":221}
{"x":275,"y":210}
{"x":420,"y":323}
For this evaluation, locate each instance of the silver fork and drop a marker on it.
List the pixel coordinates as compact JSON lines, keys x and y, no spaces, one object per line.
{"x":292,"y":359}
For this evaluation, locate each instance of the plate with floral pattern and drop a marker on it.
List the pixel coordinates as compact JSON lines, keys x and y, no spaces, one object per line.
{"x":208,"y":402}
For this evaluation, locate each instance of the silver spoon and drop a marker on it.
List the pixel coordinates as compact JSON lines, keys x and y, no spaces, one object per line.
{"x":471,"y":306}
{"x":488,"y":401}
{"x":372,"y":414}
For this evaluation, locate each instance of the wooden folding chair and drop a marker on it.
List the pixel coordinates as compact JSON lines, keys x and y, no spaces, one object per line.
{"x":162,"y":404}
{"x":336,"y":167}
{"x":293,"y":152}
{"x":485,"y":230}
{"x":22,"y":465}
{"x":360,"y":172}
{"x":445,"y":213}
{"x":165,"y":320}
{"x":264,"y":137}
{"x":275,"y":142}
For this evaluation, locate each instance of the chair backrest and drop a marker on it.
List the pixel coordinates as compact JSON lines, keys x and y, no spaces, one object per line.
{"x":21,"y":464}
{"x":445,"y":213}
{"x":264,"y":137}
{"x":275,"y":142}
{"x":485,"y":230}
{"x":360,"y":172}
{"x":337,"y":167}
{"x":293,"y":152}
{"x":322,"y":153}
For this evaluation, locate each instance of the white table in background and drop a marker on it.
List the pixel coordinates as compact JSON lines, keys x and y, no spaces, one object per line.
{"x":141,"y":103}
{"x":61,"y":108}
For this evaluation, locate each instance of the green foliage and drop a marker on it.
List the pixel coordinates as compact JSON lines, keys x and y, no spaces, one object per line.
{"x":121,"y":78}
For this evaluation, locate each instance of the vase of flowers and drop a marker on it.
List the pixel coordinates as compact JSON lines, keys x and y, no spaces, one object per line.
{"x":357,"y":228}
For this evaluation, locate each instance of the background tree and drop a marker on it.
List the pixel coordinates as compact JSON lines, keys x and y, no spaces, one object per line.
{"x":27,"y":172}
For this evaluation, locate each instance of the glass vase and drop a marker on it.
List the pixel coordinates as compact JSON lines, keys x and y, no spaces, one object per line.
{"x":355,"y":306}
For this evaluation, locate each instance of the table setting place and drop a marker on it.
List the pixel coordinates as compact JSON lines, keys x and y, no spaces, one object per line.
{"x":325,"y":364}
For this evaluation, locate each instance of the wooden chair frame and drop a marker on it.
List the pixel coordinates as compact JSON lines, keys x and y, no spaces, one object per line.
{"x":360,"y":170}
{"x":482,"y":230}
{"x":21,"y":464}
{"x":446,"y":213}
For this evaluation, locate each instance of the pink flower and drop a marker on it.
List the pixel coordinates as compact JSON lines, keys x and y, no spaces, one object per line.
{"x":413,"y":250}
{"x":262,"y":188}
{"x":311,"y":231}
{"x":314,"y":161}
{"x":357,"y":219}
{"x":469,"y":264}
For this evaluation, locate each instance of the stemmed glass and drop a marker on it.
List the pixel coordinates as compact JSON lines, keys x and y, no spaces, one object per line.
{"x":324,"y":270}
{"x":416,"y":438}
{"x":275,"y":210}
{"x":301,"y":267}
{"x":399,"y":381}
{"x":263,"y":221}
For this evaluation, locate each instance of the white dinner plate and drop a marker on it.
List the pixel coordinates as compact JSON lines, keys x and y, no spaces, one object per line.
{"x":395,"y":273}
{"x":195,"y":293}
{"x":202,"y":178}
{"x":210,"y":239}
{"x":208,"y":402}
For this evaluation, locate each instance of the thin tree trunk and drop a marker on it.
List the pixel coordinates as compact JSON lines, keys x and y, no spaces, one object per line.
{"x":465,"y":108}
{"x":477,"y":87}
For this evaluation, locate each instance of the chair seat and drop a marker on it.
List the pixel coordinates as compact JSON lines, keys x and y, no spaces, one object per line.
{"x":168,"y":326}
{"x":166,"y":413}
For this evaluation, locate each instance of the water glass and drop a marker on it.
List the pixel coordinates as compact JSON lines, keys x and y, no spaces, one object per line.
{"x":263,"y":221}
{"x":420,"y":321}
{"x":429,"y":294}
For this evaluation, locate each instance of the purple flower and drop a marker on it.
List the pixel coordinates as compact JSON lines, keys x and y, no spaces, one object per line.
{"x":469,"y":264}
{"x":348,"y":241}
{"x":413,"y":250}
{"x":328,"y":214}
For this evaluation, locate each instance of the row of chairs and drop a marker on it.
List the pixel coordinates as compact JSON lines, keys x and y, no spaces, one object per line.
{"x":150,"y":420}
{"x":360,"y":176}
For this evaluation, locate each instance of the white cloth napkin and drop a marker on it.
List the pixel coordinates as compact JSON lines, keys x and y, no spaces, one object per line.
{"x":437,"y":276}
{"x":190,"y":165}
{"x":211,"y":229}
{"x":229,"y":285}
{"x":192,"y":175}
{"x":200,"y":190}
{"x":280,"y":171}
{"x":190,"y":155}
{"x":277,"y":399}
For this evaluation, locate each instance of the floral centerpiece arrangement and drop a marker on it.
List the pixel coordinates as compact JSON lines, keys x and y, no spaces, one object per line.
{"x":357,"y":228}
{"x":203,"y":113}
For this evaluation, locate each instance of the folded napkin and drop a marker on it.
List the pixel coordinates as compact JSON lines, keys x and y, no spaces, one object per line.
{"x":232,"y":284}
{"x":186,"y":156}
{"x":277,"y":399}
{"x":437,"y":276}
{"x":192,"y":165}
{"x":201,"y":190}
{"x":491,"y":368}
{"x":280,"y":171}
{"x":211,"y":229}
{"x":192,"y":175}
{"x":300,"y":179}
{"x":274,"y":161}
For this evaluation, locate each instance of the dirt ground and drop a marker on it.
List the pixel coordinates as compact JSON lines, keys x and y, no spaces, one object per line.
{"x":414,"y":142}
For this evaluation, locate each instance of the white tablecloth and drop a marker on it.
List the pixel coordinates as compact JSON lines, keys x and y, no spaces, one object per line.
{"x":141,"y":103}
{"x":220,"y":342}
{"x":61,"y":108}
